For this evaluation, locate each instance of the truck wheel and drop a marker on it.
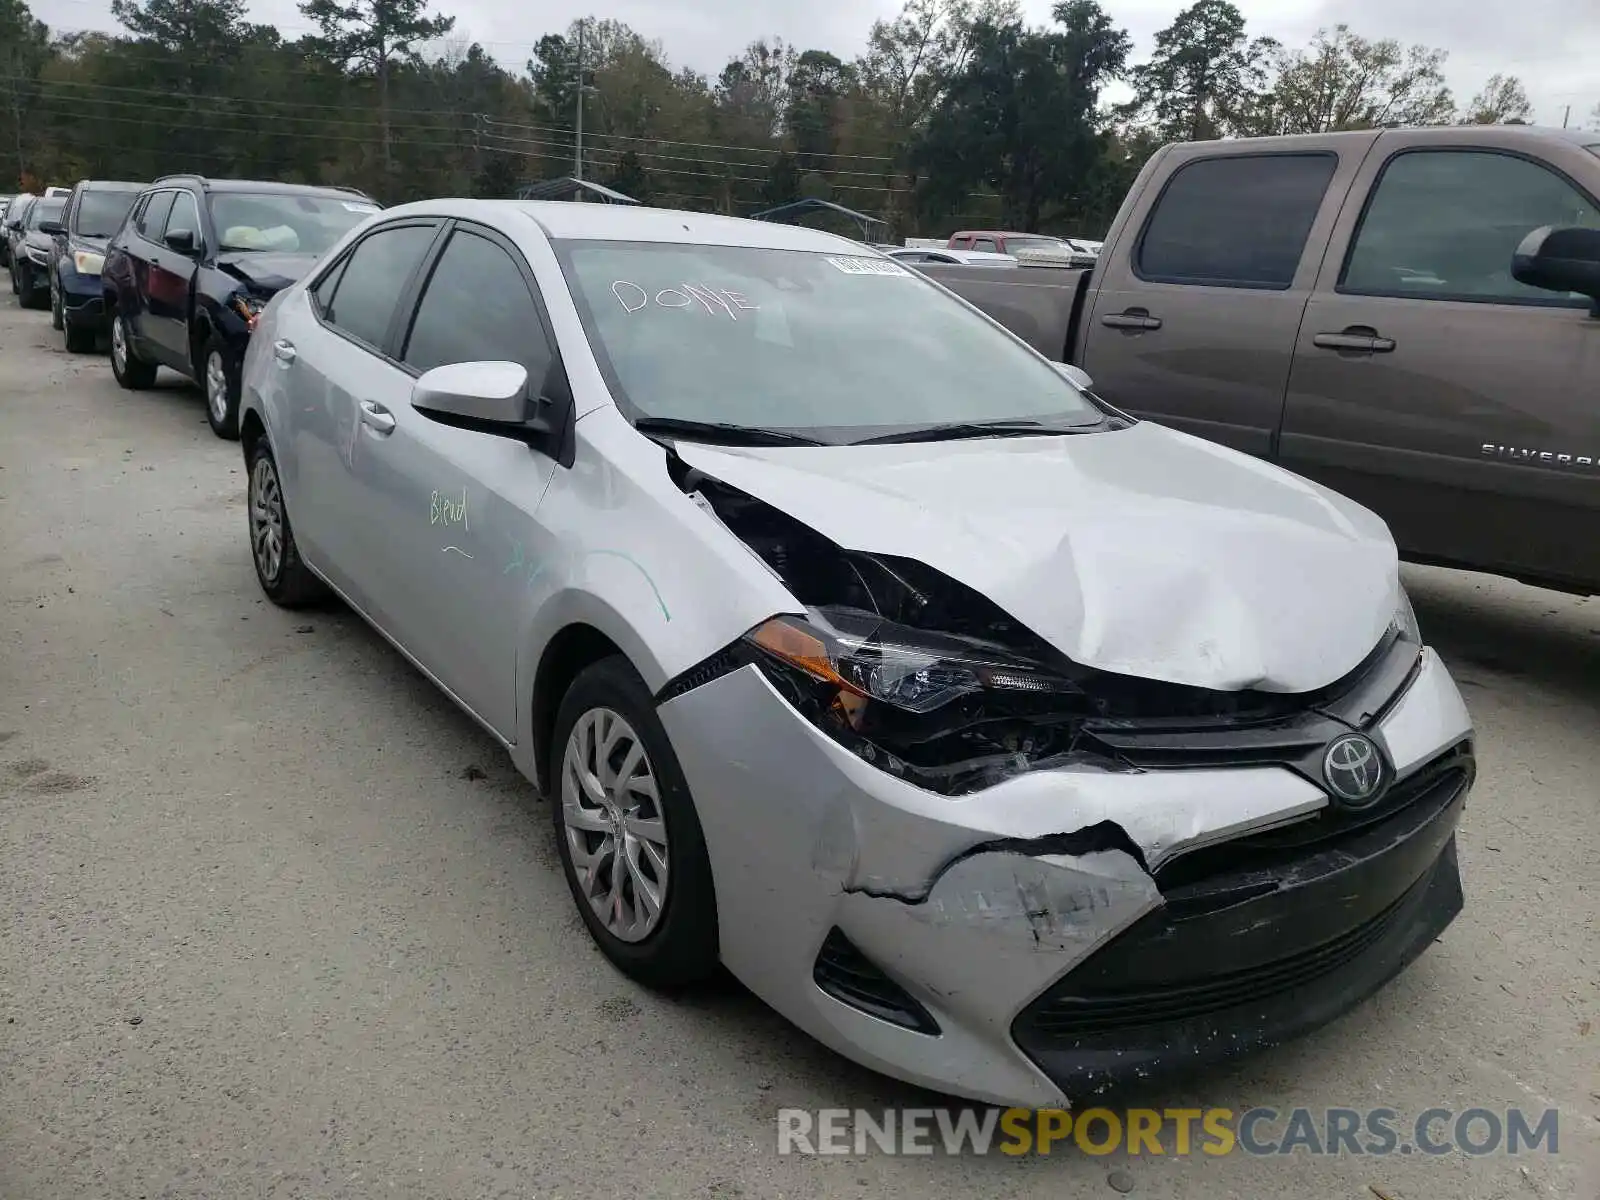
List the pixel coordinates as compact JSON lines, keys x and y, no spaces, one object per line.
{"x":221,"y":384}
{"x":132,"y":372}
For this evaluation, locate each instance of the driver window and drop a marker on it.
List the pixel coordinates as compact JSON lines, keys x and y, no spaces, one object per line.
{"x":1443,"y":225}
{"x":986,"y":245}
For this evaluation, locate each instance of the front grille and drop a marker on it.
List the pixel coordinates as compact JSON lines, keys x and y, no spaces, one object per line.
{"x":850,"y":977}
{"x":1435,"y":783}
{"x":1082,"y":1015}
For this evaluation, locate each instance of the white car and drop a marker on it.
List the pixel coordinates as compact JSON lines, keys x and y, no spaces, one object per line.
{"x":917,"y":256}
{"x":1004,"y":743}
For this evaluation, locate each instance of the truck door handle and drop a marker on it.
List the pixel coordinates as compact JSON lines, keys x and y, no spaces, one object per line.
{"x":1133,"y":318}
{"x":376,"y":417}
{"x":1363,"y":339}
{"x":283,"y":351}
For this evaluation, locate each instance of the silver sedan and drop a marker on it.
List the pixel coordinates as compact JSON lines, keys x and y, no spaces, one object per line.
{"x":1002,"y":742}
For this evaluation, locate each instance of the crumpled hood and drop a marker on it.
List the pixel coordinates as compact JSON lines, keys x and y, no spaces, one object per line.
{"x":1145,"y":552}
{"x":264,"y":270}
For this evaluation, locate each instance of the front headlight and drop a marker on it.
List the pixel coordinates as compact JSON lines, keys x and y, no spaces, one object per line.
{"x":41,"y":257}
{"x":248,"y":307}
{"x":88,"y":262}
{"x":1405,"y":619}
{"x":869,"y":658}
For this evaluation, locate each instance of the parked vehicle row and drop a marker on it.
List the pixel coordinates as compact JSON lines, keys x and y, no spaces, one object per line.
{"x":174,"y":271}
{"x":1005,"y":743}
{"x":1409,"y":316}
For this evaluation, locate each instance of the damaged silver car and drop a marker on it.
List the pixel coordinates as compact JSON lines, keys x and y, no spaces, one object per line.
{"x":1001,"y":742}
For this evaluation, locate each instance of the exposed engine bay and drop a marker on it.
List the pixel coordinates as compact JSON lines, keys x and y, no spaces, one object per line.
{"x":928,"y":679}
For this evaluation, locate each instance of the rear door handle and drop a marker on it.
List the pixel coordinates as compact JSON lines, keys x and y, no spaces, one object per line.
{"x":1133,"y":318}
{"x":283,"y":351}
{"x":376,"y":417}
{"x":1361,"y":338}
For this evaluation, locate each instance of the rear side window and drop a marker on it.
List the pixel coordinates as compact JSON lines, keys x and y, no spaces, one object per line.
{"x":477,"y":307}
{"x":153,"y":219}
{"x":1235,"y":222}
{"x":986,"y":245}
{"x":373,"y":276}
{"x":1444,"y":224}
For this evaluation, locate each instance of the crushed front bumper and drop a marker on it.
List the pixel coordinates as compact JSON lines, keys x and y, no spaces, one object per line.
{"x":1067,"y":927}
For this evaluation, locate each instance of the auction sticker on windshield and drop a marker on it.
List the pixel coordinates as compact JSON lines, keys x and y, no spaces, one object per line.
{"x":869,"y":266}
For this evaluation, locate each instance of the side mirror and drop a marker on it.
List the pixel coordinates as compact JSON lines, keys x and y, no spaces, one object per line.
{"x":52,"y":227}
{"x":490,"y":396}
{"x":1560,"y":260}
{"x":1076,"y":376}
{"x":181,"y":240}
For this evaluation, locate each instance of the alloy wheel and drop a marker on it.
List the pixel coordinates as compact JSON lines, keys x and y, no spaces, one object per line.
{"x":216,"y":387}
{"x":266,"y":519}
{"x":119,"y":343}
{"x":615,"y":831}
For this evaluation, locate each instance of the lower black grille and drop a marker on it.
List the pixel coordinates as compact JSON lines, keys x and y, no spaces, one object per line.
{"x":850,"y":977}
{"x":1085,"y":1015}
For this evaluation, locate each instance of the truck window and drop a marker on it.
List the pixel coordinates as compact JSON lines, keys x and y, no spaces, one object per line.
{"x":1443,"y":224}
{"x":1240,"y":221}
{"x":985,"y":245}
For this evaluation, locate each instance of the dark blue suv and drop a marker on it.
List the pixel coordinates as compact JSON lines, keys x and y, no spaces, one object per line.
{"x":94,"y":212}
{"x":197,"y":260}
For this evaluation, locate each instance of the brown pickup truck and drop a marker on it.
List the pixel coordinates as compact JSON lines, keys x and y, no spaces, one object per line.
{"x":1411,"y":317}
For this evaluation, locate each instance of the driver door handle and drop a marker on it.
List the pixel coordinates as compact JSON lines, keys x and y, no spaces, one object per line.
{"x":1361,"y":338}
{"x":283,"y":351}
{"x":1133,"y":318}
{"x":376,"y":417}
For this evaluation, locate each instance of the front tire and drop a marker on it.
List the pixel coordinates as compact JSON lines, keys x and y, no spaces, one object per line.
{"x":283,"y":576}
{"x":56,"y":318}
{"x":131,"y":371}
{"x":29,"y":289}
{"x":220,"y":381}
{"x":627,"y":831}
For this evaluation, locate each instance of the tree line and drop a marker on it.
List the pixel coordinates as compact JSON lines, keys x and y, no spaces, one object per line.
{"x":958,"y":112}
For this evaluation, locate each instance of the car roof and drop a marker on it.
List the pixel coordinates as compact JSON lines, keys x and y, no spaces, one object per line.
{"x":111,"y":185}
{"x":269,"y":187}
{"x":567,"y":220}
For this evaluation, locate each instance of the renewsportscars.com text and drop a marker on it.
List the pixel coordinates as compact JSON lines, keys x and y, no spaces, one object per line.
{"x":1374,"y":1132}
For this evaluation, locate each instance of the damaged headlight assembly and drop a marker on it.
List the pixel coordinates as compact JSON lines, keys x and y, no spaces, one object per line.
{"x":946,"y":712}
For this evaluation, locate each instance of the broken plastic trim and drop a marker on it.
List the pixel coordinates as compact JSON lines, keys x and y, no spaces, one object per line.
{"x":1091,"y":839}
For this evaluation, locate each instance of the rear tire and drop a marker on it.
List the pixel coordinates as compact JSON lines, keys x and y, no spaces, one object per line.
{"x":283,"y":576}
{"x":600,"y":800}
{"x":131,"y":371}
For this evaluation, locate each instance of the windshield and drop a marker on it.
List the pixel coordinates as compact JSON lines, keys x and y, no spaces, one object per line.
{"x":836,"y":347}
{"x":48,"y":209}
{"x":290,"y":223}
{"x":100,"y":213}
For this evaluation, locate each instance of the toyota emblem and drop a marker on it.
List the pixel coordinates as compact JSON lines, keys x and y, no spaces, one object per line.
{"x":1353,"y":769}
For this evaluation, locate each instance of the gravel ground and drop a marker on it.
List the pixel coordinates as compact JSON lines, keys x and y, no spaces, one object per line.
{"x":276,"y":920}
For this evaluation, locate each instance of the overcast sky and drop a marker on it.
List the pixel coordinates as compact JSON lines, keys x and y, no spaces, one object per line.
{"x":1553,"y":45}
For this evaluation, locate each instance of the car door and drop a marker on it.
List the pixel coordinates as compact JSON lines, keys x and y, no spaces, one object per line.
{"x":1194,"y":320}
{"x":144,"y":250}
{"x":172,"y":275}
{"x":455,"y":504}
{"x":332,"y":357}
{"x":1431,"y":386}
